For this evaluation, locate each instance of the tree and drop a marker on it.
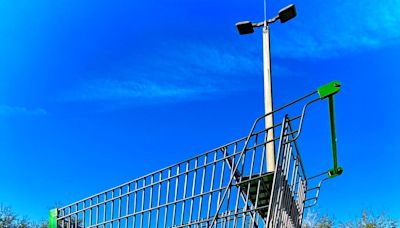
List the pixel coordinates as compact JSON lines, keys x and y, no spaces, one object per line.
{"x":367,"y":220}
{"x":8,"y":219}
{"x":313,"y":220}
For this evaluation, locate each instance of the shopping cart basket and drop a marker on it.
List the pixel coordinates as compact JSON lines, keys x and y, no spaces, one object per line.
{"x":225,"y":187}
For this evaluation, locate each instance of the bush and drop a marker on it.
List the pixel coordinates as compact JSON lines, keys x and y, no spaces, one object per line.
{"x":367,"y":220}
{"x":8,"y":219}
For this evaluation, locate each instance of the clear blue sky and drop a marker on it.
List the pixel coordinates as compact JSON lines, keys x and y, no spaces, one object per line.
{"x":96,"y":93}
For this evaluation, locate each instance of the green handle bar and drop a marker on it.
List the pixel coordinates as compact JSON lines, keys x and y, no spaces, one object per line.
{"x":53,"y":218}
{"x":328,"y":91}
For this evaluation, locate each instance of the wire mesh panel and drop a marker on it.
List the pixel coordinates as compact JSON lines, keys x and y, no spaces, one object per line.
{"x":225,"y":187}
{"x":189,"y":193}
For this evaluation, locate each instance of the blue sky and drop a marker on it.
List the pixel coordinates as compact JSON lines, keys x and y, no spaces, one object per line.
{"x":96,"y":93}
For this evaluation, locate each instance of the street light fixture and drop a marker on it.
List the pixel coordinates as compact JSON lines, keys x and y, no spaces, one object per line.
{"x":287,"y":13}
{"x":284,"y":15}
{"x":247,"y":27}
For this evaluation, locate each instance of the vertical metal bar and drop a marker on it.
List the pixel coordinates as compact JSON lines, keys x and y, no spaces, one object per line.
{"x":285,"y":203}
{"x":333,"y":132}
{"x":288,"y":192}
{"x":263,"y":157}
{"x":167,"y":199}
{"x":236,"y":205}
{"x":212,"y":183}
{"x":76,"y":218}
{"x":252,"y":162}
{"x":105,"y":208}
{"x":90,"y":211}
{"x":193,"y":189}
{"x":294,"y":175}
{"x":222,"y":222}
{"x":255,"y":147}
{"x":128,"y":194}
{"x":142,"y":205}
{"x":62,"y":223}
{"x":256,"y":202}
{"x":175,"y":196}
{"x":222,"y":177}
{"x":150,"y":201}
{"x":247,"y":195}
{"x":300,"y":201}
{"x":280,"y":197}
{"x":158,"y":198}
{"x":184,"y":193}
{"x":288,"y":162}
{"x":228,"y":198}
{"x":84,"y":213}
{"x":112,"y":207}
{"x":202,"y":186}
{"x":119,"y":207}
{"x":135,"y":194}
{"x":246,"y":203}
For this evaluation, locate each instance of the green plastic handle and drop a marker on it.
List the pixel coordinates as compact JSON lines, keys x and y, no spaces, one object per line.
{"x":328,"y":91}
{"x":53,"y":218}
{"x":336,"y":171}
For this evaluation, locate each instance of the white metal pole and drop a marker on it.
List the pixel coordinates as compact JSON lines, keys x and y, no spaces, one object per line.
{"x":269,"y":120}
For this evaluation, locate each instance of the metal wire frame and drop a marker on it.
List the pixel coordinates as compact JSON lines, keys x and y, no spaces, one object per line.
{"x":290,"y":183}
{"x":180,"y":195}
{"x":224,"y":187}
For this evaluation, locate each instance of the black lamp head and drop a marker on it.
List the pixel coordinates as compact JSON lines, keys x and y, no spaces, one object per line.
{"x":287,"y":13}
{"x":245,"y":27}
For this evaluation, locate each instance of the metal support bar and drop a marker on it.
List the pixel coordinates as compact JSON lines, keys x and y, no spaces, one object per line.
{"x":336,"y":171}
{"x":333,"y":132}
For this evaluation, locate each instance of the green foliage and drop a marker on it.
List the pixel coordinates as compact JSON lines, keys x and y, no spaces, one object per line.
{"x":8,"y":219}
{"x":325,"y":222}
{"x":313,"y":220}
{"x":367,"y":220}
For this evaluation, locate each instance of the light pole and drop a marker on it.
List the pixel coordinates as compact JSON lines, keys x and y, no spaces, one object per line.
{"x":247,"y":27}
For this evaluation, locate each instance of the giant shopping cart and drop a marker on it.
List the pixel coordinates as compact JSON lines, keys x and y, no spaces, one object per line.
{"x":225,"y":187}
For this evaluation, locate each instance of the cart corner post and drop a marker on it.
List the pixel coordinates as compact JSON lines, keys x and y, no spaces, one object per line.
{"x":53,"y":218}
